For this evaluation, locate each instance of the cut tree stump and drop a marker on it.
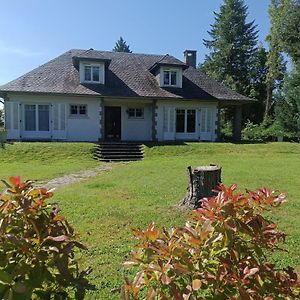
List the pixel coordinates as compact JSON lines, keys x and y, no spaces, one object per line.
{"x":202,"y":180}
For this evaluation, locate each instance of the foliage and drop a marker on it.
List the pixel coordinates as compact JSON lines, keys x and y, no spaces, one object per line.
{"x":287,"y":16}
{"x":232,"y":46}
{"x":220,"y":253}
{"x":268,"y":130}
{"x":288,"y":107}
{"x":288,"y":12}
{"x":275,"y":62}
{"x":121,"y":46}
{"x":37,"y":247}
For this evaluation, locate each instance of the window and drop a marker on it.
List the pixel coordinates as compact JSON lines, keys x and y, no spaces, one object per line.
{"x":135,"y":113}
{"x":185,"y":120}
{"x":91,"y":73}
{"x":37,"y":117}
{"x":170,"y":78}
{"x":78,"y":110}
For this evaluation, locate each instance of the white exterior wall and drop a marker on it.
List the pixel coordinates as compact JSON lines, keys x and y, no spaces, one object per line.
{"x":81,"y":128}
{"x":88,"y":128}
{"x":134,"y":129}
{"x":166,"y":129}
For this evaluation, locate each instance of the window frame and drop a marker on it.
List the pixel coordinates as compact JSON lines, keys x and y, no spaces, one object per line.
{"x":92,"y":68}
{"x":92,"y":65}
{"x":170,"y":71}
{"x":185,"y":120}
{"x":134,"y":116}
{"x":78,"y":108}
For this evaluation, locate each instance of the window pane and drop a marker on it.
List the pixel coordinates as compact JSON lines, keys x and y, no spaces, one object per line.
{"x":139,"y":112}
{"x":87,"y":73}
{"x":73,"y":109}
{"x":131,"y":112}
{"x":96,"y":71}
{"x":82,"y":109}
{"x":203,"y":119}
{"x":173,"y":78}
{"x":191,"y":120}
{"x":43,"y":117}
{"x":180,"y":119}
{"x":30,"y":121}
{"x":166,"y":77}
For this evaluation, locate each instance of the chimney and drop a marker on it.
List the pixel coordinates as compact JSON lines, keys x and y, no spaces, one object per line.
{"x":190,"y":57}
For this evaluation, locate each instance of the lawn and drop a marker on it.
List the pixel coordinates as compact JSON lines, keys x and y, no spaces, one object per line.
{"x":105,"y":208}
{"x":42,"y":161}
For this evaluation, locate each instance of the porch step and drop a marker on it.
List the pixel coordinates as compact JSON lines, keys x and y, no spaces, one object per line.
{"x":119,"y":151}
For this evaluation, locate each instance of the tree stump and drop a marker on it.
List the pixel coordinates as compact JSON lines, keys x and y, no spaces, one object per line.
{"x":202,"y":180}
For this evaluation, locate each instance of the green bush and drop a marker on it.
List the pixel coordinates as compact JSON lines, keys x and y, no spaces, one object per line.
{"x":37,"y":250}
{"x":220,"y":253}
{"x":267,"y":131}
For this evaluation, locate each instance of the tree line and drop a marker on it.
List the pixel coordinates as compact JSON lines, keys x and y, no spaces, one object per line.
{"x":238,"y":60}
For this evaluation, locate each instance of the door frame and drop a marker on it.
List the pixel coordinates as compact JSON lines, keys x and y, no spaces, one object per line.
{"x":118,"y":111}
{"x":36,"y":134}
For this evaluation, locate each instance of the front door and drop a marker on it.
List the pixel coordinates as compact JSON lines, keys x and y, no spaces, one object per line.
{"x":112,"y":123}
{"x":36,"y":121}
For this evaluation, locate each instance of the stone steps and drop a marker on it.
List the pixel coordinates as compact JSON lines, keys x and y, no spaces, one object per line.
{"x":119,"y":152}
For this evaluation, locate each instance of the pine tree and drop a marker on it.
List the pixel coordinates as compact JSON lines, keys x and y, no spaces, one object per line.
{"x":233,"y":44}
{"x":121,"y":46}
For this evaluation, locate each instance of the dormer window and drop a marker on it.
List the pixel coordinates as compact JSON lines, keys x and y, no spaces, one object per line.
{"x":170,"y":78}
{"x":91,"y":72}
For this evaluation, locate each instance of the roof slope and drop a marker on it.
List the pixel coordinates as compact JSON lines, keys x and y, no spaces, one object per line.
{"x":127,"y":75}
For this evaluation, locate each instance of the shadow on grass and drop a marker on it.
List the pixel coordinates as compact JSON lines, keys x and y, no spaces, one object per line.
{"x":170,"y":143}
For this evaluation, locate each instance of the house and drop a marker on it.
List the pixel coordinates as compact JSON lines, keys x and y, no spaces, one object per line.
{"x":89,"y":95}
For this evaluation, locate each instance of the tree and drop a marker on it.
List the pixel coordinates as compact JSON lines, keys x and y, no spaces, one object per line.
{"x":235,"y":59}
{"x":255,"y":111}
{"x":121,"y":46}
{"x":288,"y":27}
{"x":233,"y":44}
{"x":275,"y":62}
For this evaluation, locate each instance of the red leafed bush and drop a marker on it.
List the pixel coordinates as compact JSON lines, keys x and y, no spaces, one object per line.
{"x":37,"y":244}
{"x":220,"y":253}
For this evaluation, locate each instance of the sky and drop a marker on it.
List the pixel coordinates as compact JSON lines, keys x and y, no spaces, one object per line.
{"x":34,"y":31}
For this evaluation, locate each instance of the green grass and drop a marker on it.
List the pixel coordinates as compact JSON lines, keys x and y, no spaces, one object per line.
{"x":42,"y":161}
{"x":105,"y":208}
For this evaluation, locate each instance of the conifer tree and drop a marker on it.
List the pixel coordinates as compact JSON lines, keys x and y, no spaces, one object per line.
{"x":121,"y":46}
{"x":233,"y":43}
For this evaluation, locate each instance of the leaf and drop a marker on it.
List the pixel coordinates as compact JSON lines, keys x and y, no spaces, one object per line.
{"x":60,"y":238}
{"x":196,"y":284}
{"x":138,"y":279}
{"x":19,"y":288}
{"x":5,"y":278}
{"x":15,"y":181}
{"x":165,"y":279}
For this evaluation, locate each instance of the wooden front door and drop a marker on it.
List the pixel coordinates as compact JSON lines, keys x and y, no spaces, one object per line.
{"x":112,"y":123}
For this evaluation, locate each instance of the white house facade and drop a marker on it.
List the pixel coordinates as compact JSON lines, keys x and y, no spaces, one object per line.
{"x":105,"y":96}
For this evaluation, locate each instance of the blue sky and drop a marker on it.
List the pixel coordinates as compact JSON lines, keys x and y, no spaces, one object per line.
{"x":35,"y":31}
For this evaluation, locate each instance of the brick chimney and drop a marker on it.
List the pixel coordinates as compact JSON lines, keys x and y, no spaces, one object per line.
{"x":190,"y":57}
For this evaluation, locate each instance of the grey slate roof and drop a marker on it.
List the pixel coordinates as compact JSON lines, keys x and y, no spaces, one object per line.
{"x":127,"y":75}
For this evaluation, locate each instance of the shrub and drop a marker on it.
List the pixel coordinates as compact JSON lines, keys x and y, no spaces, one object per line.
{"x":220,"y":253}
{"x":268,"y":130}
{"x":37,"y":259}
